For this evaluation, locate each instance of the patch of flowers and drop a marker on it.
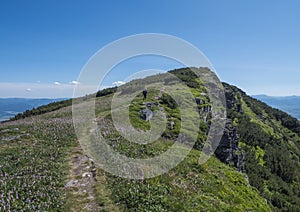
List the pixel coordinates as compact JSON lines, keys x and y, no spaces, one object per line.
{"x":33,"y":169}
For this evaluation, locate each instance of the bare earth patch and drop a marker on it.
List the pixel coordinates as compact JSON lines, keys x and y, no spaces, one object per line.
{"x":80,"y":187}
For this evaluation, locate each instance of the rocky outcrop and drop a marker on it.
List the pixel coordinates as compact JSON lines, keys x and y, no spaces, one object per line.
{"x":233,"y":100}
{"x":228,"y":150}
{"x":146,"y":114}
{"x":203,"y":108}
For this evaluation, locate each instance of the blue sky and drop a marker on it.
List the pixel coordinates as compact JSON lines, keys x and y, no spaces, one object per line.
{"x":45,"y":44}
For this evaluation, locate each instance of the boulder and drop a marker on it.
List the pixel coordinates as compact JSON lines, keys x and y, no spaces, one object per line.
{"x":146,"y":114}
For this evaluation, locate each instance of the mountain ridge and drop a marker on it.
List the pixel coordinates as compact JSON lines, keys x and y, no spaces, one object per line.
{"x":256,"y":166}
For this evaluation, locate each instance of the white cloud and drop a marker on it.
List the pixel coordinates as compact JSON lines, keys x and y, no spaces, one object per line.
{"x":75,"y":82}
{"x":41,"y":90}
{"x":35,"y":90}
{"x":118,"y":83}
{"x":57,"y":83}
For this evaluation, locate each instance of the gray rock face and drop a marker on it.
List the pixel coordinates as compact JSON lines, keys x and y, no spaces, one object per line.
{"x":151,"y":104}
{"x":172,"y":123}
{"x":228,"y":150}
{"x":199,"y":101}
{"x":9,"y":130}
{"x":10,"y":138}
{"x":146,"y":114}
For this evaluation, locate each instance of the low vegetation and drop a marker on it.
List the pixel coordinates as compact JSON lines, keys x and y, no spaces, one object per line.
{"x":35,"y":154}
{"x":271,"y":140}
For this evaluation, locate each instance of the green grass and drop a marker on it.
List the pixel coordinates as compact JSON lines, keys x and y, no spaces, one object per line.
{"x":189,"y":187}
{"x":34,"y":166}
{"x":268,"y":129}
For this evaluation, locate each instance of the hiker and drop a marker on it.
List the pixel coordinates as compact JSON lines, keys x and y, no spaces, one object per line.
{"x":145,"y":93}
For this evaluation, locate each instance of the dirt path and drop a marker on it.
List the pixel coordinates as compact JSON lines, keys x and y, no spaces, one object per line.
{"x":86,"y":186}
{"x":81,"y":192}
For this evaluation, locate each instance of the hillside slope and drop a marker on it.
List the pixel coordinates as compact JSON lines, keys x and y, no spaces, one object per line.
{"x":269,"y":140}
{"x":256,"y":166}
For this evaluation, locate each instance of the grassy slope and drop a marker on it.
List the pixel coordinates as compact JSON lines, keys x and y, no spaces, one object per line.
{"x":36,"y":170}
{"x":210,"y":187}
{"x":33,"y":161}
{"x":46,"y":144}
{"x":271,"y":140}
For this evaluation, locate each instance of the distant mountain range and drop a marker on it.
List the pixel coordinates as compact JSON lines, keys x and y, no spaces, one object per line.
{"x":9,"y":107}
{"x":289,"y":104}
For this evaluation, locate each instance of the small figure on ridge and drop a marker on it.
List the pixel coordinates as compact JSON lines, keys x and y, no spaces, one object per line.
{"x":145,"y":93}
